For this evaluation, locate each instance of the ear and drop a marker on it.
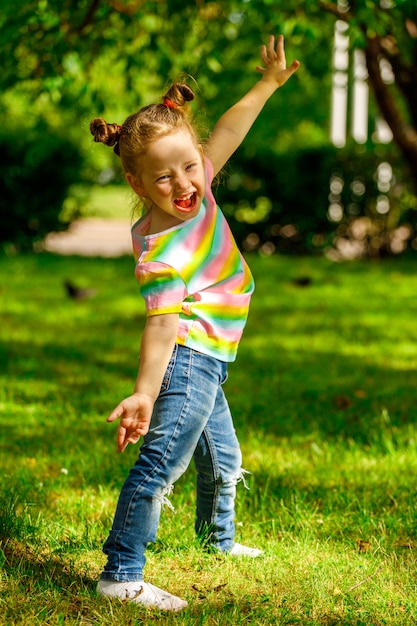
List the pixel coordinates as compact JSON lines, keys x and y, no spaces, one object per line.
{"x":136,"y":184}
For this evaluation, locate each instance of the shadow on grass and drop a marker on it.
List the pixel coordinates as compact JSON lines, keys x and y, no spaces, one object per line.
{"x":69,"y":356}
{"x":327,"y":395}
{"x":371,"y":513}
{"x":43,"y":588}
{"x":60,"y":398}
{"x":65,"y":362}
{"x":44,"y":570}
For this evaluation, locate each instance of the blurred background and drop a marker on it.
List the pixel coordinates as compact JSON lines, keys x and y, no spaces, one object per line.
{"x":330,"y":167}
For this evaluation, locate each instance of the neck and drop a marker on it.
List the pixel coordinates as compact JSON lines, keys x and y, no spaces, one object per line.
{"x":161,"y":221}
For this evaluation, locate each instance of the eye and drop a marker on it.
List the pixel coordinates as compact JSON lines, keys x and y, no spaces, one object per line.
{"x":191,"y":166}
{"x":163,"y":178}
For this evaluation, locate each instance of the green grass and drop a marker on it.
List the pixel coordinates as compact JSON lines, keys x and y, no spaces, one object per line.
{"x":105,"y":201}
{"x":323,"y":395}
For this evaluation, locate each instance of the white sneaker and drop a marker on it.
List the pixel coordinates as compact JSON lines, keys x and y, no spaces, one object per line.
{"x":239,"y":550}
{"x":142,"y":593}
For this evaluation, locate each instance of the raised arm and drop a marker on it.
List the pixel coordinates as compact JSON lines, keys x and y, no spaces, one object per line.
{"x":135,"y":411}
{"x":234,"y":125}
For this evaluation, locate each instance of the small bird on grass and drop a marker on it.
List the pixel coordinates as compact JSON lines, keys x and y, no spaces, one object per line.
{"x":78,"y":293}
{"x":302,"y":281}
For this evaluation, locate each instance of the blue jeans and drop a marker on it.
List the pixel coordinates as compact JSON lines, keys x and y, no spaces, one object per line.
{"x":191,"y":418}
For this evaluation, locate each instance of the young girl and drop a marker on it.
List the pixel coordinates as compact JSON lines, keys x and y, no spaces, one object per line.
{"x":197,"y":289}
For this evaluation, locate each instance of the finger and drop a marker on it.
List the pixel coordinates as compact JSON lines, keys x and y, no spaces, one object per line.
{"x":116,"y":413}
{"x":289,"y":72}
{"x":260,"y":69}
{"x":264,"y":55}
{"x":280,"y":50}
{"x":134,"y":435}
{"x":293,"y":68}
{"x":122,"y":440}
{"x":271,"y":48}
{"x":138,"y":432}
{"x":123,"y":447}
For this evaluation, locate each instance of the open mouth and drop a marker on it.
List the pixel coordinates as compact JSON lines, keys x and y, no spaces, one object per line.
{"x":187,"y":203}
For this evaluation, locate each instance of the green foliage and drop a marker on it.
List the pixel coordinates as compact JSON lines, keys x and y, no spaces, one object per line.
{"x":37,"y":171}
{"x":95,"y":57}
{"x":320,"y":199}
{"x":86,"y":55}
{"x":67,"y":62}
{"x":295,"y":196}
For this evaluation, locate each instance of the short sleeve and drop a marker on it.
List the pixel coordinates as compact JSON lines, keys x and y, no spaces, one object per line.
{"x":161,"y":286}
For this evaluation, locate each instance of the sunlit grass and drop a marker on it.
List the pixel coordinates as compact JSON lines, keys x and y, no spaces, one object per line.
{"x":106,"y":201}
{"x":324,"y":405}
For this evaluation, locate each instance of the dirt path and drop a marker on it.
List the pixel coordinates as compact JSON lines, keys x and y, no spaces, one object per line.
{"x":92,"y":237}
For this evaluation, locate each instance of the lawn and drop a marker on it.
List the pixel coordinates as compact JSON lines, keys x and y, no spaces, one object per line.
{"x":323,"y":396}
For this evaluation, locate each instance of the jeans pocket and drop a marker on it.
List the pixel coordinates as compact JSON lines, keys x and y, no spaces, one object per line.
{"x":170,"y":368}
{"x":225,"y":377}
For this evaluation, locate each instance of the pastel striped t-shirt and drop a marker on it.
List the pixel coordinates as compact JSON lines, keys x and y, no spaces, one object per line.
{"x":195,"y":269}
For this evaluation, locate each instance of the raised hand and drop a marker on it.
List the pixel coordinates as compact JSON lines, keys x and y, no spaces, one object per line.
{"x":273,"y":57}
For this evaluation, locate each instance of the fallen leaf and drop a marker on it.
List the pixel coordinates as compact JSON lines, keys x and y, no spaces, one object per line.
{"x":363,"y":546}
{"x":360,"y":393}
{"x":342,"y":402}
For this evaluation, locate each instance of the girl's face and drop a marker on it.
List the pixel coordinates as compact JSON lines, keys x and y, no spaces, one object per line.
{"x":172,"y":179}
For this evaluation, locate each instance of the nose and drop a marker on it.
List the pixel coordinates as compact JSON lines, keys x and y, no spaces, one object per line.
{"x":182,"y":182}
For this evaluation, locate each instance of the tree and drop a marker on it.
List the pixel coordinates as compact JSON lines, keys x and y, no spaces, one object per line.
{"x":387,"y":31}
{"x":84,"y":54}
{"x":80,"y":56}
{"x":65,"y":61}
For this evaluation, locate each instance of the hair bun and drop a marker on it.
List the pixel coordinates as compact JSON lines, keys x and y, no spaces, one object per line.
{"x":109,"y":134}
{"x":186,"y":92}
{"x":179,"y":94}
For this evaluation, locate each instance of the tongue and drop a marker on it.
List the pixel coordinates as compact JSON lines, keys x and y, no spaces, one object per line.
{"x":184,"y":204}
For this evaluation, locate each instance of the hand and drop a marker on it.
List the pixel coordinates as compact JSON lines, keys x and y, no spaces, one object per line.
{"x":275,"y":64}
{"x":135,"y":413}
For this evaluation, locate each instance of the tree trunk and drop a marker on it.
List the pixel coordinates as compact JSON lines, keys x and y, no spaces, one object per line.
{"x":405,"y":136}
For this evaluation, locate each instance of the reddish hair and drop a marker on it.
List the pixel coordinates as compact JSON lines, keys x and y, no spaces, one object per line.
{"x":131,"y":140}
